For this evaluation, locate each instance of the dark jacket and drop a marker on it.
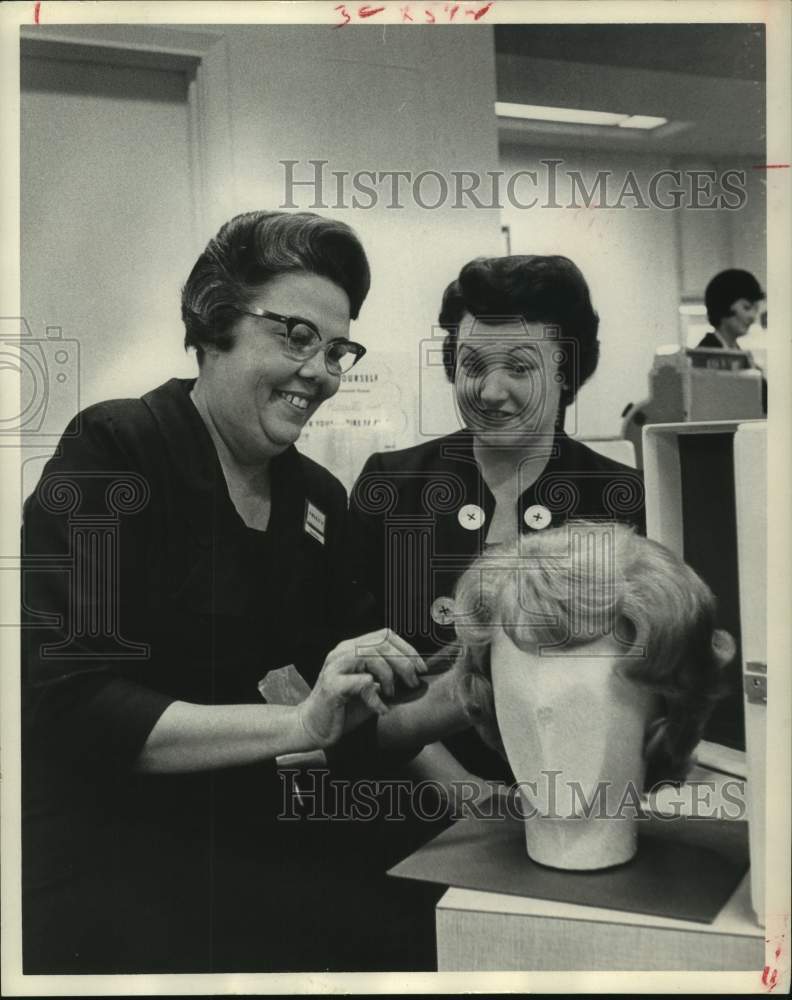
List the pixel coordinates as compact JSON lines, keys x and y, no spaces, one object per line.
{"x":410,"y":538}
{"x":416,"y":524}
{"x":142,"y":585}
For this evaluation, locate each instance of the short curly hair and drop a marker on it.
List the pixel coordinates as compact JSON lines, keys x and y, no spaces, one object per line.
{"x":638,"y":590}
{"x":255,"y":247}
{"x":549,"y":290}
{"x":726,"y":288}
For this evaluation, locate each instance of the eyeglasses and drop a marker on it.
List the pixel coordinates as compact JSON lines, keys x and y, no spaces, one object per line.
{"x":303,"y":342}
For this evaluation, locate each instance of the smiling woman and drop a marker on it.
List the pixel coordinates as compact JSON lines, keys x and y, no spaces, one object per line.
{"x":732,"y":298}
{"x":209,"y":552}
{"x":256,"y":398}
{"x":521,"y":339}
{"x":507,"y":381}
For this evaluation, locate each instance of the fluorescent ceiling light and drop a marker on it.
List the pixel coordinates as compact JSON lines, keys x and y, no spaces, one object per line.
{"x":643,"y":121}
{"x":575,"y":116}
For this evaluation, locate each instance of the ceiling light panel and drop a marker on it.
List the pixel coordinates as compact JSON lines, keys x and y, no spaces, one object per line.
{"x":569,"y":116}
{"x":576,"y":116}
{"x":643,"y":121}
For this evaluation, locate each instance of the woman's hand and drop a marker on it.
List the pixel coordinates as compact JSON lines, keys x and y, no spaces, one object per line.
{"x":352,"y":681}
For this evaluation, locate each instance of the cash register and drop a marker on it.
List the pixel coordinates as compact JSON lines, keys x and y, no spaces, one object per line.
{"x":695,"y":384}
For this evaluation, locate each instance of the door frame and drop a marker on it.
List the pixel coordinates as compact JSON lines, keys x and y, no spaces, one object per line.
{"x":201,"y":54}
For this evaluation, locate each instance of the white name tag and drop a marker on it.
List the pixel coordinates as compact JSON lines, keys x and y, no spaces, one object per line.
{"x":315,"y":522}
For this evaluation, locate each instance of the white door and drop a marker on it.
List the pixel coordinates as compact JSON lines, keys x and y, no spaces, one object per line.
{"x":108,"y":228}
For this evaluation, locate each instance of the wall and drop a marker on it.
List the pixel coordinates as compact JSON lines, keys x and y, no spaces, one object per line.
{"x":748,"y":227}
{"x":103,"y":267}
{"x":747,"y":235}
{"x":639,"y":261}
{"x":712,"y":241}
{"x":397,"y":98}
{"x":628,"y":258}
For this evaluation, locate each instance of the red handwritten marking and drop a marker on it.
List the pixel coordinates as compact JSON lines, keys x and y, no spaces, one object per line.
{"x":769,"y":979}
{"x":37,"y":12}
{"x":770,"y":974}
{"x":771,"y":166}
{"x":477,"y":15}
{"x":365,"y":11}
{"x":341,"y":8}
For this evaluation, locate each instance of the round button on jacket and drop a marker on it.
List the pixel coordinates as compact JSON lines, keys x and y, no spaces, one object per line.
{"x":442,"y":611}
{"x":471,"y":517}
{"x":537,"y":517}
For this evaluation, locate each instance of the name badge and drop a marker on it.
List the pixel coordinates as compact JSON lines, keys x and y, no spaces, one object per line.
{"x":315,"y":522}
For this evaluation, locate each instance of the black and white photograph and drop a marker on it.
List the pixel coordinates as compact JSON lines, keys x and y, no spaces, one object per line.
{"x":395,"y":426}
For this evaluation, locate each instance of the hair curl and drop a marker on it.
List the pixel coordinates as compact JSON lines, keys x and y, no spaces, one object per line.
{"x":621,"y":583}
{"x":549,"y":290}
{"x":253,"y":248}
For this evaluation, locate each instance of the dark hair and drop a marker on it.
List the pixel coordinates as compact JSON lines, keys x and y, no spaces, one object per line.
{"x":253,"y":248}
{"x":724,"y":290}
{"x":548,"y":290}
{"x":653,"y":597}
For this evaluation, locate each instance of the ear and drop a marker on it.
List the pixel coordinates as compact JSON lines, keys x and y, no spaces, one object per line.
{"x":565,"y":399}
{"x":211,"y":352}
{"x":450,"y":346}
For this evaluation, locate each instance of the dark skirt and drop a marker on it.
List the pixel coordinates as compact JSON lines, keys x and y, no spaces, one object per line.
{"x":203,"y":877}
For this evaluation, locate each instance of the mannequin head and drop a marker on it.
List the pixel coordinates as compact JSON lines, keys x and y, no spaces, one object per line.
{"x":587,"y":653}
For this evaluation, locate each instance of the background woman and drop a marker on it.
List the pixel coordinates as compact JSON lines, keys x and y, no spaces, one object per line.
{"x":732,"y":299}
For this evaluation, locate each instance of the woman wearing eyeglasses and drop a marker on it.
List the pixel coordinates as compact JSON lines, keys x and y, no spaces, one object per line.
{"x":176,"y":549}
